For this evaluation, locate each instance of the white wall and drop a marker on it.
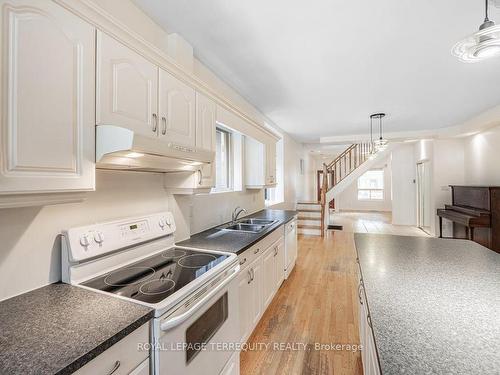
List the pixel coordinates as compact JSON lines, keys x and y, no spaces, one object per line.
{"x":482,"y":158}
{"x":348,"y":199}
{"x":447,"y":169}
{"x":403,"y":185}
{"x":294,"y":182}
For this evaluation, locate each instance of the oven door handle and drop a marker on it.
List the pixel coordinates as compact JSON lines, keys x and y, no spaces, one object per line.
{"x":169,"y":324}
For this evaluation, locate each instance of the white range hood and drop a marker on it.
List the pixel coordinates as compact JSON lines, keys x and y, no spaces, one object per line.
{"x":123,"y":149}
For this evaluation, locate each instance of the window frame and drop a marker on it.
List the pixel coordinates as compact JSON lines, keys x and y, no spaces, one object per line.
{"x":229,"y":162}
{"x":371,"y":190}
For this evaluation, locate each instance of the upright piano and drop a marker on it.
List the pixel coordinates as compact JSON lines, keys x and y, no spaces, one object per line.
{"x":475,"y":213}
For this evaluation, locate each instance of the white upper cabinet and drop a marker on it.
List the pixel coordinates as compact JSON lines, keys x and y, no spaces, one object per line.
{"x":205,"y":134}
{"x":127,"y":87}
{"x":271,"y":164}
{"x":255,"y":164}
{"x":177,"y":110}
{"x":47,"y":97}
{"x":205,"y":122}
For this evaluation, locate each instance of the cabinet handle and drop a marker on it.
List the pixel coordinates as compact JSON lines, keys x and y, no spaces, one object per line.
{"x":115,"y":367}
{"x":249,"y":276}
{"x":200,"y":176}
{"x":253,"y":274}
{"x":164,"y":125}
{"x":155,"y":122}
{"x":275,"y":250}
{"x":256,"y":251}
{"x":242,"y":262}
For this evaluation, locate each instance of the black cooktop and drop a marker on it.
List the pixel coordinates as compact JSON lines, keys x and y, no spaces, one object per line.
{"x":155,"y":278}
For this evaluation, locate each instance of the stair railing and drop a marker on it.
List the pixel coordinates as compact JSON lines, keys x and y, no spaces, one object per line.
{"x":339,"y":168}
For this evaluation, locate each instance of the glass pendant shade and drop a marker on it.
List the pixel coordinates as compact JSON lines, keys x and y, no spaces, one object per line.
{"x":481,"y":45}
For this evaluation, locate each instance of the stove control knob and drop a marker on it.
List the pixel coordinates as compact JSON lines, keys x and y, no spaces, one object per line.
{"x":84,"y":240}
{"x":168,"y":221}
{"x":98,"y":237}
{"x":161,"y":223}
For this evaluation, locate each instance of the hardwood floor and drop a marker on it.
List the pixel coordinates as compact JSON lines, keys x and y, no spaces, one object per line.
{"x":317,"y":304}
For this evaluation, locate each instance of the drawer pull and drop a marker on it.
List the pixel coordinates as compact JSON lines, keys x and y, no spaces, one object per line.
{"x":242,"y":262}
{"x":115,"y":367}
{"x":256,"y":251}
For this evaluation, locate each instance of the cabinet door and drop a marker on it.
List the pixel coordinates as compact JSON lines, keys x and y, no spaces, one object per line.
{"x":280,"y":263}
{"x":245,"y":305}
{"x":205,"y":134}
{"x":127,"y":87}
{"x":256,"y":292}
{"x":177,"y":110}
{"x":255,"y":162}
{"x":271,"y":163}
{"x":269,"y":275}
{"x":47,"y":97}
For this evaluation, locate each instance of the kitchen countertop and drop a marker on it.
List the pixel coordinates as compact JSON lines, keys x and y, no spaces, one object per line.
{"x":434,"y":304}
{"x":237,"y":242}
{"x":59,"y":328}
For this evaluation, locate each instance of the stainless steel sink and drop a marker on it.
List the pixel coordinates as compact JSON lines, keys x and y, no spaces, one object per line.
{"x":248,"y":225}
{"x":241,"y":227}
{"x":256,"y":221}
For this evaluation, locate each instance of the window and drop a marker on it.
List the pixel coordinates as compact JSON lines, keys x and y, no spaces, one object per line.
{"x":223,"y":160}
{"x":371,"y":185}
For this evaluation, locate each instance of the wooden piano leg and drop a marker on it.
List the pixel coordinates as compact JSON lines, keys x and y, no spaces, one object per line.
{"x":440,"y":227}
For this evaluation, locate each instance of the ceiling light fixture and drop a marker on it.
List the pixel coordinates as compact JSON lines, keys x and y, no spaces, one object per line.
{"x":372,"y":150}
{"x":481,"y":45}
{"x":381,"y":143}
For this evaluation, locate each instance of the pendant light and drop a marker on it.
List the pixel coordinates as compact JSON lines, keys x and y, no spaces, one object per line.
{"x":372,"y":150}
{"x":481,"y":45}
{"x":381,"y":143}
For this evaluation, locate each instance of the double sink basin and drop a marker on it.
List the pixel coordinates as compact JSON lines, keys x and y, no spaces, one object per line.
{"x":248,"y":225}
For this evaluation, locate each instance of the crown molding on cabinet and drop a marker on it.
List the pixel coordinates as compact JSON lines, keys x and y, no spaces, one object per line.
{"x":105,"y":22}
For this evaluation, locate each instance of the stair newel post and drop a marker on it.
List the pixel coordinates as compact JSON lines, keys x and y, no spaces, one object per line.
{"x":324,"y":189}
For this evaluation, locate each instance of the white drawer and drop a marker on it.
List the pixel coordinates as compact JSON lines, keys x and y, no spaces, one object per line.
{"x":250,"y":254}
{"x":123,"y":357}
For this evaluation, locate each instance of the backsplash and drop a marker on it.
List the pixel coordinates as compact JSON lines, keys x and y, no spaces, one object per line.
{"x":30,"y":249}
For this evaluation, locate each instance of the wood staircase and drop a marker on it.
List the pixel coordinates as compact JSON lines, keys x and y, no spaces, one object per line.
{"x":309,"y":218}
{"x":338,"y":169}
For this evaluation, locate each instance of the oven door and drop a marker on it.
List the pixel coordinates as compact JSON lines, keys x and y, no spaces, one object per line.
{"x":199,"y":338}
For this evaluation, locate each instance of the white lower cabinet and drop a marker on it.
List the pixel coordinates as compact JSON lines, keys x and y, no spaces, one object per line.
{"x":369,"y":351}
{"x":269,"y":267}
{"x":124,"y":357}
{"x":261,"y":274}
{"x":232,"y":366}
{"x":280,"y":263}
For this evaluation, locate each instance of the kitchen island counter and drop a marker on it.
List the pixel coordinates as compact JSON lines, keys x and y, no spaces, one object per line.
{"x":434,"y":304}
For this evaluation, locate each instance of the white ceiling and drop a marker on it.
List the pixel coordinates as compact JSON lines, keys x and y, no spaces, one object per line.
{"x":319,"y":68}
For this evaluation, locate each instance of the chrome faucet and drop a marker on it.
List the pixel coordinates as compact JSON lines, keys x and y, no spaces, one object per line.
{"x":237,"y":211}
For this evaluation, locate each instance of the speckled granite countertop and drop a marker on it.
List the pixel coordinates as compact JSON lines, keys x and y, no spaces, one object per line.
{"x":59,"y":328}
{"x":237,"y":242}
{"x":434,"y":304}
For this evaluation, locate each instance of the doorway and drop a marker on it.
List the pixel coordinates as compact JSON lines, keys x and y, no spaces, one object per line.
{"x":424,"y":196}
